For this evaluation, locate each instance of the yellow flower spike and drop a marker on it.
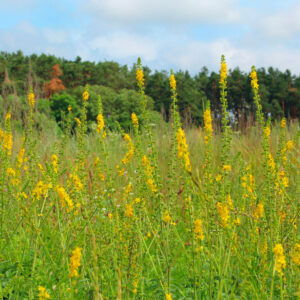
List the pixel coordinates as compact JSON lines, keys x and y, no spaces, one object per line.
{"x":169,"y":297}
{"x":40,"y":190}
{"x":20,"y":156}
{"x":296,"y":254}
{"x":129,"y":210}
{"x":10,"y":172}
{"x":135,"y":120}
{"x":280,"y":262}
{"x":166,"y":217}
{"x":77,"y":182}
{"x":183,"y":149}
{"x":289,"y":145}
{"x":207,"y":121}
{"x":8,"y":142}
{"x":140,"y":76}
{"x":198,"y":229}
{"x":267,"y":132}
{"x":43,"y":295}
{"x":7,"y":117}
{"x":78,"y":122}
{"x":151,"y":185}
{"x":69,"y":108}
{"x":283,"y":123}
{"x":172,"y":82}
{"x":85,"y":95}
{"x":253,"y":76}
{"x":223,"y":213}
{"x":64,"y":197}
{"x":31,"y":99}
{"x":127,"y":137}
{"x":75,"y":262}
{"x":54,"y":160}
{"x":218,"y":177}
{"x":100,"y":123}
{"x":259,"y":211}
{"x":227,"y":168}
{"x":223,"y":70}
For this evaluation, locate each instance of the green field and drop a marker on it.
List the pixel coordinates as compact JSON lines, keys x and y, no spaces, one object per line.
{"x":155,"y":213}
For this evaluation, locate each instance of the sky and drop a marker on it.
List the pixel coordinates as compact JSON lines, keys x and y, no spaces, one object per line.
{"x":166,"y":34}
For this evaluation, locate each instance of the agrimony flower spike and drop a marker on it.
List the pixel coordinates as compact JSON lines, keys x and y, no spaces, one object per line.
{"x":31,"y":98}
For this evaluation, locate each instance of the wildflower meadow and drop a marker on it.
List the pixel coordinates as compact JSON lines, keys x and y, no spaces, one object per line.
{"x":156,"y":212}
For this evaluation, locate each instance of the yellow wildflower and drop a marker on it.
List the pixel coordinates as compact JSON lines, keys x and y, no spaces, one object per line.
{"x":128,"y":188}
{"x":8,"y":142}
{"x":296,"y":254}
{"x":259,"y":211}
{"x":146,"y":163}
{"x":152,"y":185}
{"x":69,"y":108}
{"x":130,"y":153}
{"x":169,"y":297}
{"x":64,"y":197}
{"x":100,"y":122}
{"x":229,"y":201}
{"x":283,"y":123}
{"x":21,"y":156}
{"x":54,"y":160}
{"x":11,"y":172}
{"x":253,"y":76}
{"x":135,"y":120}
{"x":43,"y":295}
{"x":140,"y":77}
{"x":129,"y":210}
{"x":31,"y":99}
{"x":223,"y":213}
{"x":271,"y":162}
{"x":77,"y":183}
{"x":172,"y":82}
{"x":285,"y":182}
{"x":227,"y":168}
{"x":75,"y":262}
{"x":207,"y":121}
{"x":223,"y":71}
{"x":267,"y":132}
{"x":7,"y":117}
{"x":198,"y":229}
{"x":127,"y":137}
{"x":85,"y":95}
{"x":183,"y":149}
{"x":219,"y":177}
{"x":237,"y":221}
{"x":280,"y":262}
{"x":78,"y":122}
{"x":289,"y":145}
{"x":166,"y":217}
{"x":40,"y":189}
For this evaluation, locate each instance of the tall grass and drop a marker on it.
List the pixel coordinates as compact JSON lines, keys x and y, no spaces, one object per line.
{"x":160,"y":213}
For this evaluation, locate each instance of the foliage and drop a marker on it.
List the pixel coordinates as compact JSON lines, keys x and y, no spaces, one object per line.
{"x":280,"y":91}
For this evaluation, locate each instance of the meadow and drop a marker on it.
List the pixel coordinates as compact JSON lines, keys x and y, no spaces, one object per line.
{"x":155,"y":213}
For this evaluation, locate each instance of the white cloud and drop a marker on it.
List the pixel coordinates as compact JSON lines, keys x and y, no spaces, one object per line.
{"x":194,"y":55}
{"x":121,"y":45}
{"x":282,"y":25}
{"x":159,"y":48}
{"x":167,"y":11}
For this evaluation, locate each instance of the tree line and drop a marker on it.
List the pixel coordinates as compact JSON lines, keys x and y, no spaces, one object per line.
{"x":62,"y":80}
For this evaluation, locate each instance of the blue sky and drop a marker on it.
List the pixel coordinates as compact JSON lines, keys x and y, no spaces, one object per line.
{"x":166,"y":34}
